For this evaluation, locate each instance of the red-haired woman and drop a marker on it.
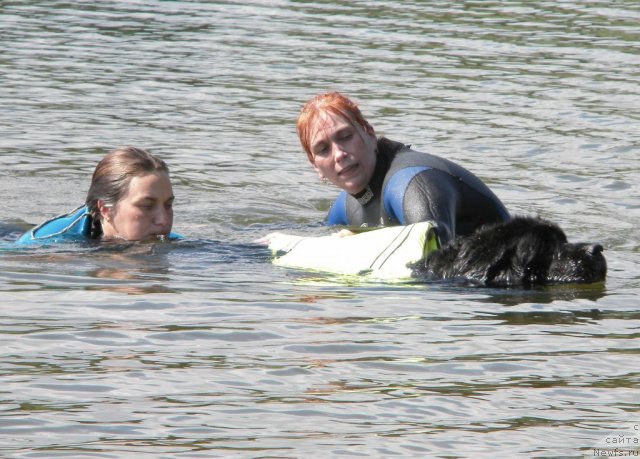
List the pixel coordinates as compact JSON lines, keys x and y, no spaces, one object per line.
{"x":386,"y":182}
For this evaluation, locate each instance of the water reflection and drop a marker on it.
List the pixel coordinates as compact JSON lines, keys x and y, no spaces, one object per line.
{"x":133,"y":268}
{"x":547,"y":294}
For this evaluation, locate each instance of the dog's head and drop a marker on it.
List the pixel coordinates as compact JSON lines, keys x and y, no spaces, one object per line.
{"x":583,"y":263}
{"x":521,"y":252}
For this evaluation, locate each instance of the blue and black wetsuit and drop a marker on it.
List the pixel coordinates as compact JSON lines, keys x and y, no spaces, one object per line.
{"x":409,"y":187}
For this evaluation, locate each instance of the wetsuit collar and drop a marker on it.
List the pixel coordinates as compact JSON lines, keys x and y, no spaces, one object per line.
{"x":374,"y":188}
{"x":365,"y":196}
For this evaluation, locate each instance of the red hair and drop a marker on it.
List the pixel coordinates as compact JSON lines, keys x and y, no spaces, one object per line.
{"x":331,"y":102}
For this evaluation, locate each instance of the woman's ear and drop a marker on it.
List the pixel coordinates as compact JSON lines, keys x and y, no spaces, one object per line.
{"x":105,"y":210}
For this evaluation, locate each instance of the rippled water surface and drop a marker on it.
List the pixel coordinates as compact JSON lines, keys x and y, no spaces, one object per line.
{"x":202,"y":348}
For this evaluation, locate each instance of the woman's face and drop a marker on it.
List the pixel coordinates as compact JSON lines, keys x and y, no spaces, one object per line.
{"x":343,"y":152}
{"x":144,"y":212}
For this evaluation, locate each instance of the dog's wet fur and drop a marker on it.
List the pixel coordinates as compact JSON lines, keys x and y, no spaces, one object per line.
{"x":521,"y":252}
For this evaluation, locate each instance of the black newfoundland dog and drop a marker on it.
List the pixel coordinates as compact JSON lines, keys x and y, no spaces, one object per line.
{"x":522,"y":252}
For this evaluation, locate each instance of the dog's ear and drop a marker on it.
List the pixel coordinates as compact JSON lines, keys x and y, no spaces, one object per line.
{"x":535,"y":252}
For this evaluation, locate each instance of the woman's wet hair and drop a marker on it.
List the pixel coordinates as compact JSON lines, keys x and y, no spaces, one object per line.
{"x":331,"y":102}
{"x":112,"y":176}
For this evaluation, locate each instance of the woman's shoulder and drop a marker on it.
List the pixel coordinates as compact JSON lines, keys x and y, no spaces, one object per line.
{"x":73,"y":225}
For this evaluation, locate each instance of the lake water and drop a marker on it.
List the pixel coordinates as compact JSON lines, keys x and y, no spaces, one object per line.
{"x":204,"y":349}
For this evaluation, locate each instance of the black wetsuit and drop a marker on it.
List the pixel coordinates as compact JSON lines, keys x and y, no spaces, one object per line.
{"x":409,"y":187}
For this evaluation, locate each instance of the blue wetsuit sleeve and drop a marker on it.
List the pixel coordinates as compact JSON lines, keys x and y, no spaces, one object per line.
{"x":75,"y":225}
{"x":411,"y":198}
{"x":338,"y":212}
{"x":394,"y":192}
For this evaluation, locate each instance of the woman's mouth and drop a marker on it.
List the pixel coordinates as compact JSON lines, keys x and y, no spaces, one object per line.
{"x":346,"y":172}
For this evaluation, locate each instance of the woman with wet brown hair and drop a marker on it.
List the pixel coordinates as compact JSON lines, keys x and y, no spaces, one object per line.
{"x":130,"y":198}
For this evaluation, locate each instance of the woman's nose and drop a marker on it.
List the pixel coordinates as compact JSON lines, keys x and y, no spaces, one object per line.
{"x":338,"y":152}
{"x":162,"y":217}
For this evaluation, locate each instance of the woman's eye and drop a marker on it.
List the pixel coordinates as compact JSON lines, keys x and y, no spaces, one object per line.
{"x":322,"y":151}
